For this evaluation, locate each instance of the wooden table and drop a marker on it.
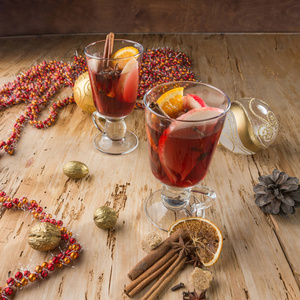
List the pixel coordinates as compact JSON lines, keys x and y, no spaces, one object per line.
{"x":260,"y":257}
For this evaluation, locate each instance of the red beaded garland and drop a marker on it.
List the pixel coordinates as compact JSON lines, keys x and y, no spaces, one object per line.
{"x":163,"y":65}
{"x":41,"y":271}
{"x":36,"y":88}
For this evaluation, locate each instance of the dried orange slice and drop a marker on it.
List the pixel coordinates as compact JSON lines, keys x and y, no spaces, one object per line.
{"x":171,"y":102}
{"x":205,"y":235}
{"x":124,"y":53}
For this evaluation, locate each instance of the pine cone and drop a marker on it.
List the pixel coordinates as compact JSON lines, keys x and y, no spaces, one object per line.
{"x":277,"y":193}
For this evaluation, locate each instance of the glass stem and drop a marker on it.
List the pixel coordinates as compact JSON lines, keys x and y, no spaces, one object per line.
{"x":175,"y":198}
{"x":115,"y":129}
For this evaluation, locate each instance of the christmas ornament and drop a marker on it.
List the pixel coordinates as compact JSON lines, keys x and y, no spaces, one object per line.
{"x":68,"y":252}
{"x":44,"y":236}
{"x":83,"y":95}
{"x":277,"y":193}
{"x":105,"y":217}
{"x":75,"y":169}
{"x":250,"y":126}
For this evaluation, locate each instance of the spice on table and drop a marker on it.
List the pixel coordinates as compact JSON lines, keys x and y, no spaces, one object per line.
{"x":152,"y":273}
{"x":151,"y":241}
{"x":167,"y":277}
{"x":177,"y":287}
{"x":156,"y":254}
{"x":201,"y":279}
{"x":193,"y":296}
{"x":194,"y":260}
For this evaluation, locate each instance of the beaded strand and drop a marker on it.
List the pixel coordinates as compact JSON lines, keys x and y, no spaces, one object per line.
{"x":163,"y":65}
{"x":36,"y":88}
{"x":64,"y":258}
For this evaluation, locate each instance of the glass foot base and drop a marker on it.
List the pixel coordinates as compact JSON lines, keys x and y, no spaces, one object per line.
{"x":123,"y":146}
{"x":162,"y":217}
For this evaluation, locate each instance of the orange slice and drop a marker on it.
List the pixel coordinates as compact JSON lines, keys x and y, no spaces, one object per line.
{"x":124,"y":53}
{"x":171,"y":102}
{"x":205,"y":235}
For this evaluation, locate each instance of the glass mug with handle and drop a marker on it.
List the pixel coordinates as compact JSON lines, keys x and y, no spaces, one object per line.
{"x":114,"y":83}
{"x":184,"y":121}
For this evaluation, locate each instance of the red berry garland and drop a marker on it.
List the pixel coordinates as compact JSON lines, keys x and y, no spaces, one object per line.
{"x":163,"y":65}
{"x":36,"y":88}
{"x":42,"y":271}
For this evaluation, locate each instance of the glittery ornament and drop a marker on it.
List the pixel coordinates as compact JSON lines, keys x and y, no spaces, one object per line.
{"x":83,"y":95}
{"x":69,"y":249}
{"x":105,"y":217}
{"x":44,"y":236}
{"x":250,"y":126}
{"x":75,"y":169}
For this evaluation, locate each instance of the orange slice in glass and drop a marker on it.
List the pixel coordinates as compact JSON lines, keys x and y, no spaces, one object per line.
{"x":171,"y":102}
{"x":206,"y":236}
{"x":124,"y":53}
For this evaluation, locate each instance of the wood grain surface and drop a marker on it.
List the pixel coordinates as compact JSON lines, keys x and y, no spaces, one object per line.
{"x":260,"y":253}
{"x":33,"y":17}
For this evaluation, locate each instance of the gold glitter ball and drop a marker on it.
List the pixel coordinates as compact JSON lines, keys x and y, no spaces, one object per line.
{"x":83,"y":95}
{"x":105,"y":217}
{"x":75,"y":169}
{"x":44,"y":236}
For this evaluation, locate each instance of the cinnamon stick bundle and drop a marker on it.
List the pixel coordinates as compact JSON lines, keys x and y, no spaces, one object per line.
{"x":167,"y":277}
{"x":156,"y":254}
{"x":152,"y":273}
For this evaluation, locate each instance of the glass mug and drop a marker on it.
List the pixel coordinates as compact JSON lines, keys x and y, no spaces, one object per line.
{"x":114,"y":83}
{"x":180,"y":152}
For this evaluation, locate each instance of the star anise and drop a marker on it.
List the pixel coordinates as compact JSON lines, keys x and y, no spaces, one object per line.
{"x":194,"y":260}
{"x":193,"y":296}
{"x":182,"y":247}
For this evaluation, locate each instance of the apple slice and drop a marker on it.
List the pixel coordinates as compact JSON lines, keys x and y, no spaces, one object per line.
{"x":181,"y":144}
{"x":94,"y":65}
{"x":191,"y":101}
{"x":127,"y":87}
{"x":198,"y":99}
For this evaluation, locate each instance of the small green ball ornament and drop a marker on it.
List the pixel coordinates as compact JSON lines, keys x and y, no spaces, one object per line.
{"x":105,"y":217}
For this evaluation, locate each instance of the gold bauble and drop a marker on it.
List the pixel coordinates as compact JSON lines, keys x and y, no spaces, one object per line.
{"x":75,"y":169}
{"x":105,"y":217}
{"x":83,"y":95}
{"x":44,"y":236}
{"x":250,"y":126}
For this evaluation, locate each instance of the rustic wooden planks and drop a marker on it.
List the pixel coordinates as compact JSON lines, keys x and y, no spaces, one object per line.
{"x":172,"y":16}
{"x":259,"y":258}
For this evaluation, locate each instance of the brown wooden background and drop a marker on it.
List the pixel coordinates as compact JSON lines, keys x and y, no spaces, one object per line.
{"x":33,"y":17}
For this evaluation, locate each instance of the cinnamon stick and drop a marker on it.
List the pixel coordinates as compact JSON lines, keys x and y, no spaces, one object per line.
{"x":108,"y":47}
{"x":156,"y":254}
{"x":160,"y":285}
{"x":153,"y":272}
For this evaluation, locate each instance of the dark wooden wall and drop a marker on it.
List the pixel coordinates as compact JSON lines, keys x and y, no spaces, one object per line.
{"x":32,"y":17}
